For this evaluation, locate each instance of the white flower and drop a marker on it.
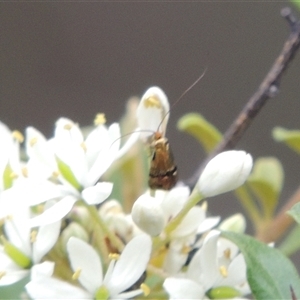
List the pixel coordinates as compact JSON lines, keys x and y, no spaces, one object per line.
{"x":23,"y":247}
{"x":10,"y":166}
{"x":152,"y":214}
{"x":183,"y":288}
{"x":216,"y":264}
{"x":152,"y":112}
{"x":77,"y":164}
{"x":235,"y":223}
{"x":85,"y":262}
{"x":225,"y":172}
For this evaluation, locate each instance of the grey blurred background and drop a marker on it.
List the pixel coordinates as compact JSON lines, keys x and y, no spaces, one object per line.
{"x":77,"y":59}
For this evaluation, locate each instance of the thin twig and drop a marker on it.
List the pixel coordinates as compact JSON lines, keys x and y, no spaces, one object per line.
{"x":268,"y":89}
{"x":281,"y":223}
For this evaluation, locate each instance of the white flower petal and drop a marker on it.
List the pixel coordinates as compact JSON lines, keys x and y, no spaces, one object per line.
{"x":203,"y":266}
{"x":190,"y":223}
{"x":17,"y":230}
{"x":182,"y":288}
{"x":12,"y":277}
{"x":68,"y":147}
{"x":12,"y":272}
{"x":32,"y":192}
{"x":54,"y":213}
{"x":106,"y":156}
{"x":131,"y":264}
{"x":174,"y":200}
{"x":83,"y":257}
{"x":46,"y":238}
{"x":152,"y":112}
{"x":40,"y":270}
{"x":174,"y":261}
{"x":236,"y":272}
{"x":41,"y":163}
{"x":53,"y":288}
{"x":98,"y":193}
{"x":128,"y":144}
{"x":208,"y":224}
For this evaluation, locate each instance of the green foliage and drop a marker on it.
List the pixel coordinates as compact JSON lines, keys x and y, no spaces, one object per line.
{"x":289,"y":137}
{"x":297,"y":3}
{"x":270,"y":274}
{"x":291,"y":243}
{"x":295,"y":212}
{"x":203,"y":131}
{"x":266,"y":182}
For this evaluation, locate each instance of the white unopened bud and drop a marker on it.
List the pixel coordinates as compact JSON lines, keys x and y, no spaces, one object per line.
{"x":148,"y":215}
{"x":235,"y":223}
{"x":225,"y":172}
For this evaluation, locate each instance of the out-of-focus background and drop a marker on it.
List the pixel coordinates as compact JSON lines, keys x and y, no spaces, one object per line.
{"x":78,"y":59}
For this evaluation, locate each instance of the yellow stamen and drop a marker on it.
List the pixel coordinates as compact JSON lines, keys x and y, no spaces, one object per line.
{"x":223,"y":271}
{"x":76,"y":274}
{"x":2,"y":274}
{"x":33,"y":235}
{"x":25,"y":172}
{"x":33,"y":141}
{"x":68,"y":126}
{"x":83,"y":146}
{"x":145,"y":288}
{"x":40,"y":208}
{"x":17,"y":135}
{"x":227,"y":253}
{"x":13,"y":175}
{"x":152,"y":102}
{"x":9,"y":218}
{"x":114,"y":256}
{"x":185,"y":249}
{"x":55,"y":174}
{"x":204,"y":206}
{"x":100,"y":119}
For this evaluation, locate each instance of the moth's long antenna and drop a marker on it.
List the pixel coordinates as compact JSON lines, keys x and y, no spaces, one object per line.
{"x":182,"y":95}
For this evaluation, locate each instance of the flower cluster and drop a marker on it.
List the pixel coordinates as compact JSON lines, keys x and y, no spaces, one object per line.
{"x":57,"y":231}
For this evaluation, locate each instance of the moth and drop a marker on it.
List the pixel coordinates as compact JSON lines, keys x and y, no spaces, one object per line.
{"x":163,"y":171}
{"x":152,"y":116}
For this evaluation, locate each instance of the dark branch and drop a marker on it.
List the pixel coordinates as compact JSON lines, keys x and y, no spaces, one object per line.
{"x":268,"y":89}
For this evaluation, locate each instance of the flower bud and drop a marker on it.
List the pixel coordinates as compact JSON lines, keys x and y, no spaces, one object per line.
{"x":148,"y":215}
{"x":73,"y":229}
{"x":225,"y":172}
{"x":235,"y":223}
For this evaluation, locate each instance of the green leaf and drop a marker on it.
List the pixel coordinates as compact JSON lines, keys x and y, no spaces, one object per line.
{"x":297,"y":3}
{"x":289,"y":137}
{"x":206,"y":133}
{"x":266,"y":181}
{"x":295,"y":212}
{"x":291,"y":243}
{"x":270,"y":274}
